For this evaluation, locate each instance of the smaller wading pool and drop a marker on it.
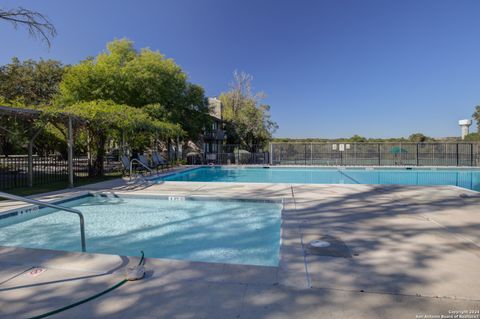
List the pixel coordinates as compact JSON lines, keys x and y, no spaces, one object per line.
{"x":192,"y":228}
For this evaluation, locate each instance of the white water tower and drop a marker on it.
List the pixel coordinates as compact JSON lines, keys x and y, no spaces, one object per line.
{"x":464,"y":125}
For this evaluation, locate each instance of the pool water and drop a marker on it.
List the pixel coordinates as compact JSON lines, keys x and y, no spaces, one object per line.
{"x":223,"y":231}
{"x":464,"y":178}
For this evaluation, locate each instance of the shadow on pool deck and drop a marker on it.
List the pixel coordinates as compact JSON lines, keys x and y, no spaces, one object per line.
{"x":415,"y":253}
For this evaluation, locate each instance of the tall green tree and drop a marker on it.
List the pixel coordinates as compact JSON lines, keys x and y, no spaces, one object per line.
{"x":248,"y":120}
{"x":357,"y":139}
{"x":419,"y":138}
{"x":137,"y":78}
{"x":476,"y":117}
{"x":475,"y":137}
{"x":472,"y":137}
{"x":30,"y":82}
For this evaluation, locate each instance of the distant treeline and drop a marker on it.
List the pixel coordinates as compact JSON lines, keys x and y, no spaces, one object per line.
{"x":416,"y":138}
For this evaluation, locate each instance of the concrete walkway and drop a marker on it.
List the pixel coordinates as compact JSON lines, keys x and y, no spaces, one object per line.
{"x":415,"y":252}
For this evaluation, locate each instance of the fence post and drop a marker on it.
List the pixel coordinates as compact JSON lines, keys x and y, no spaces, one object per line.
{"x":456,"y":153}
{"x":30,"y":157}
{"x":30,"y":163}
{"x":355,"y":161}
{"x":401,"y":154}
{"x":417,"y":156}
{"x":311,"y":153}
{"x":378,"y":149}
{"x":471,"y":154}
{"x":305,"y":155}
{"x":270,"y":160}
{"x":70,"y":152}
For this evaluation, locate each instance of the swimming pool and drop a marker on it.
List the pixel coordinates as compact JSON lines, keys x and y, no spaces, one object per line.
{"x":196,"y":229}
{"x":466,"y":178}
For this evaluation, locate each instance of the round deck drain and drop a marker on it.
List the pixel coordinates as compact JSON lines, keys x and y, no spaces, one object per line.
{"x":319,"y":243}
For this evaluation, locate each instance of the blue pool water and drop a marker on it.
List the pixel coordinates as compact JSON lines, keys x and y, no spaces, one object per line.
{"x":226,"y":231}
{"x":464,"y":178}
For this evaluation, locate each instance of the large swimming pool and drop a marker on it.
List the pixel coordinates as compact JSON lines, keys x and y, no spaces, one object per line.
{"x":466,"y":178}
{"x":210,"y":230}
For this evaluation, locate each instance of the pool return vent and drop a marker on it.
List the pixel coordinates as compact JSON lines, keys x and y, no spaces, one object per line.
{"x":330,"y":246}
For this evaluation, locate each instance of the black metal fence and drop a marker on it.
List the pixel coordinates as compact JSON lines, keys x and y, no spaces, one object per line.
{"x":376,"y":154}
{"x":46,"y":169}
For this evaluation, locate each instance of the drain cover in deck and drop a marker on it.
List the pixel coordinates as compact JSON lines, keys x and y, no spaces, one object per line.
{"x":327,"y":246}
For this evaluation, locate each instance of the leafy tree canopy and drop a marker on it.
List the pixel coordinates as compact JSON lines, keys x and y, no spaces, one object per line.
{"x":30,"y":82}
{"x":472,"y":137}
{"x":248,"y":119}
{"x":476,"y":116}
{"x":357,"y":139}
{"x":419,"y":138}
{"x":137,"y":78}
{"x":104,"y":115}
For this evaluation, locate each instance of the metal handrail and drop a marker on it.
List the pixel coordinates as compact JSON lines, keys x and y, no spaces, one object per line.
{"x":45,"y":204}
{"x":136,"y":160}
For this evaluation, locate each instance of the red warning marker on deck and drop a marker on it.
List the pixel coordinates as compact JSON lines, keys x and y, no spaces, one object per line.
{"x":36,"y":271}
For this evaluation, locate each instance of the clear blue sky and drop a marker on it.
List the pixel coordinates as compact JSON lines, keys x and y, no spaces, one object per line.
{"x":330,"y":68}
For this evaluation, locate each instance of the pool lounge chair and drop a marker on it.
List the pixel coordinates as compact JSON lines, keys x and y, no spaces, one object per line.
{"x":143,"y":159}
{"x":159,"y":161}
{"x":135,"y":166}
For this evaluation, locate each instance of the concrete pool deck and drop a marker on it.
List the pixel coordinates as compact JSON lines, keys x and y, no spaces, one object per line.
{"x":415,"y":252}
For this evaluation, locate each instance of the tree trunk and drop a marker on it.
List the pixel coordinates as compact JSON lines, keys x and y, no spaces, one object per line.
{"x":89,"y":154}
{"x":101,"y":141}
{"x":98,"y":140}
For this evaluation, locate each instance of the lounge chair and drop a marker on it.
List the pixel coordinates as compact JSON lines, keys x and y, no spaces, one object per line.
{"x":143,"y":159}
{"x":126,"y":165}
{"x":159,"y":161}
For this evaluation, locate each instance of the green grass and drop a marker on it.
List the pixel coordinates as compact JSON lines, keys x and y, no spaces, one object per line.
{"x":55,"y":186}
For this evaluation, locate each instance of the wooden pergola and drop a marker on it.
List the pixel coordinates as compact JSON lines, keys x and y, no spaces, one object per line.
{"x":29,"y":114}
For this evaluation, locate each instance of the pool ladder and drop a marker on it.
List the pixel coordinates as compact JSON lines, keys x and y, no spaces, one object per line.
{"x":134,"y":160}
{"x":45,"y":204}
